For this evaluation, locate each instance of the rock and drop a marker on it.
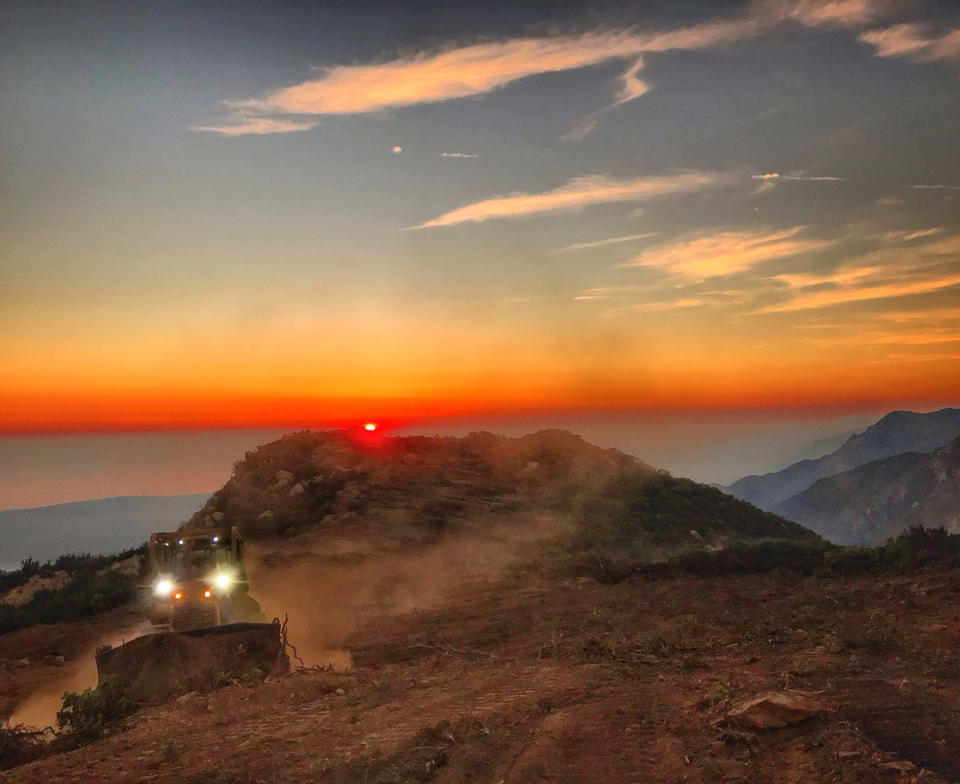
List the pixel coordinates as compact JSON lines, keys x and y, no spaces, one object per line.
{"x":774,"y":709}
{"x":21,"y":662}
{"x":341,"y":692}
{"x":849,"y":755}
{"x":53,"y":660}
{"x":283,"y":478}
{"x":265,"y":516}
{"x":897,"y":766}
{"x":297,"y":489}
{"x":217,"y":517}
{"x":183,"y":699}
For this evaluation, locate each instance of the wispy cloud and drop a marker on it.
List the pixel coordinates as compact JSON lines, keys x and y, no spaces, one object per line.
{"x":902,"y":357}
{"x":609,"y":241}
{"x":660,"y":307}
{"x":461,"y":72}
{"x":576,"y":194}
{"x":242,"y":124}
{"x":910,"y":236}
{"x":723,"y":253}
{"x":797,"y":177}
{"x":914,"y":41}
{"x":432,"y":76}
{"x":768,"y":180}
{"x":824,"y":13}
{"x":937,"y":187}
{"x":882,"y":274}
{"x":458,"y":155}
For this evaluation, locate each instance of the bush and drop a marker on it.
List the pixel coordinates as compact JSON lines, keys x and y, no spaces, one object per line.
{"x":85,"y":717}
{"x":20,"y":745}
{"x":752,"y":559}
{"x":88,"y":593}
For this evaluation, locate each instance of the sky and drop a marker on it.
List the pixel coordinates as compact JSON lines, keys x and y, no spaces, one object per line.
{"x":278,"y":214}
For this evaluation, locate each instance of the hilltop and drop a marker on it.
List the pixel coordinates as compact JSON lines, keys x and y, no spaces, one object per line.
{"x":415,"y":487}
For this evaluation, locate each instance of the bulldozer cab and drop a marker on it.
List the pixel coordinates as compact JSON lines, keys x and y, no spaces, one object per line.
{"x":186,"y":556}
{"x":196,"y":578}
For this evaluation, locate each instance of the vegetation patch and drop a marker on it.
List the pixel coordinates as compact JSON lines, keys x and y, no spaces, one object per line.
{"x":91,"y":590}
{"x":20,"y":744}
{"x":88,"y":715}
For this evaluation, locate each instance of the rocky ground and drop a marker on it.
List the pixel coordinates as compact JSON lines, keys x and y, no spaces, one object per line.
{"x":534,"y":679}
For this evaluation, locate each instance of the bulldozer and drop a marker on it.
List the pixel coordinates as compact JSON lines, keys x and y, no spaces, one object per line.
{"x":197,"y":580}
{"x":205,"y":628}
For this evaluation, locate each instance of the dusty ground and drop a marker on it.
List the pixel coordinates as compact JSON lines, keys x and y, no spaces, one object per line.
{"x":536,"y":680}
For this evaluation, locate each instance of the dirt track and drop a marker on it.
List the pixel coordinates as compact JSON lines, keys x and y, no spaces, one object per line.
{"x":573,"y":681}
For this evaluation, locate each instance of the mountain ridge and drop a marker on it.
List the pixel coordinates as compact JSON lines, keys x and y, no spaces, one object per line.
{"x":870,"y":503}
{"x":895,"y":433}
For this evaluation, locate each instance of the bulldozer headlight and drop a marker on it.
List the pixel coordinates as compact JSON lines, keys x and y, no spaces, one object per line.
{"x":222,"y":581}
{"x":178,"y":595}
{"x":163,"y":587}
{"x":207,"y":594}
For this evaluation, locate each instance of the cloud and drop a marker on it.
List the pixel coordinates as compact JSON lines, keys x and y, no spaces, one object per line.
{"x":724,"y":253}
{"x":917,"y":358}
{"x":609,"y":241}
{"x":769,"y":180}
{"x":458,"y":155}
{"x":433,"y":76}
{"x":843,"y":296}
{"x":910,"y":236}
{"x":883,"y":274}
{"x":776,"y":176}
{"x":823,"y":13}
{"x":936,"y":187}
{"x":473,"y":70}
{"x":241,"y":124}
{"x":677,"y":304}
{"x":576,"y":194}
{"x":914,"y":41}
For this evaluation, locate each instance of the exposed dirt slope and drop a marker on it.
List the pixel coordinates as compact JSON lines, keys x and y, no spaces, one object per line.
{"x":531,"y":679}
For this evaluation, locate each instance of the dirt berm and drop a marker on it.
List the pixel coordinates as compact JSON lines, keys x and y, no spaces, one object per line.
{"x":158,"y":666}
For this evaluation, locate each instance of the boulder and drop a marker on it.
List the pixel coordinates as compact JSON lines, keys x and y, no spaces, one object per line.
{"x":774,"y":709}
{"x":283,"y":478}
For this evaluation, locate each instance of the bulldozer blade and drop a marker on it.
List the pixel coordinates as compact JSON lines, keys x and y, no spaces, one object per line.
{"x":159,"y":666}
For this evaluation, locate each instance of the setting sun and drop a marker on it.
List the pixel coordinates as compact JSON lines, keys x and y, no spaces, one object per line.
{"x":371,"y":426}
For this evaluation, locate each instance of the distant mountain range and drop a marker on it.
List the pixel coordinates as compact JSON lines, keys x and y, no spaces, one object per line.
{"x":896,"y":473}
{"x":894,"y":434}
{"x":103,"y":525}
{"x":878,"y":500}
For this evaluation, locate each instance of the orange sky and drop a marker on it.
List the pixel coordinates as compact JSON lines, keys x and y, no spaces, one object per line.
{"x":670,"y":206}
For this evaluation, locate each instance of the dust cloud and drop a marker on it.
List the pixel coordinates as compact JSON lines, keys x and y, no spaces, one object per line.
{"x":40,"y":708}
{"x":339,"y":585}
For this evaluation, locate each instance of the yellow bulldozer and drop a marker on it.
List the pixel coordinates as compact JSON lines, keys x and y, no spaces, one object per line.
{"x":206,"y":629}
{"x":197,"y":580}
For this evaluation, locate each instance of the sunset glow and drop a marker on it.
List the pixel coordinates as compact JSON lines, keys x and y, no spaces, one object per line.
{"x":714,"y":209}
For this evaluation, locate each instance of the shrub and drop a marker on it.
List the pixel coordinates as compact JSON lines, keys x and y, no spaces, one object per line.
{"x":85,"y":716}
{"x":88,"y":593}
{"x":20,"y":745}
{"x":753,"y":558}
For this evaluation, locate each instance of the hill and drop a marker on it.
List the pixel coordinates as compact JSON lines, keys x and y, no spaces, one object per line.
{"x":878,"y":500}
{"x":461,"y":601}
{"x":895,"y":433}
{"x":101,"y":526}
{"x":409,"y":487}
